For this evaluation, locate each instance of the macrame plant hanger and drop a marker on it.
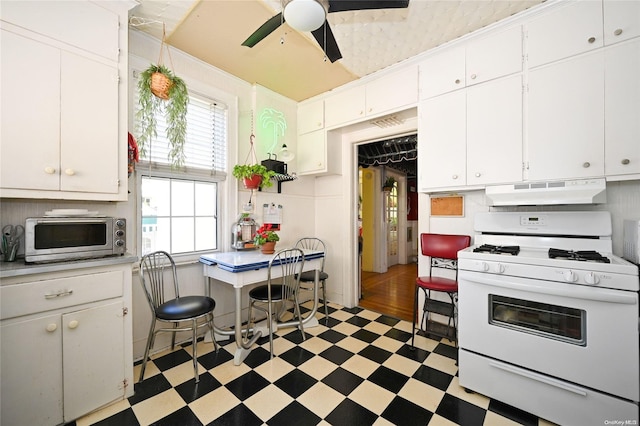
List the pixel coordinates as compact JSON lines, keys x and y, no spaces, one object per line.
{"x":251,"y":159}
{"x":160,"y":83}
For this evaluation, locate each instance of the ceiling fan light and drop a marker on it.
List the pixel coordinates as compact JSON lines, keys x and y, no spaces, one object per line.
{"x":304,"y":15}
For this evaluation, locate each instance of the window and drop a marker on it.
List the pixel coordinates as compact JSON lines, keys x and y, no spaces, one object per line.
{"x":179,"y":207}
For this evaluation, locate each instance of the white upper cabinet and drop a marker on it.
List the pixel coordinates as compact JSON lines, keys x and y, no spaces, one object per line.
{"x":393,"y":91}
{"x":622,"y":110}
{"x":310,"y":116}
{"x":621,"y":20}
{"x":494,"y":132}
{"x":442,"y":142}
{"x":494,"y":56}
{"x":566,"y":119}
{"x":342,"y":107}
{"x":389,"y":93}
{"x":443,"y":72}
{"x":569,"y":30}
{"x":73,"y":23}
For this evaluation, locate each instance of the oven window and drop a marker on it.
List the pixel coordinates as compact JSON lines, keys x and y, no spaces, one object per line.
{"x":551,"y":321}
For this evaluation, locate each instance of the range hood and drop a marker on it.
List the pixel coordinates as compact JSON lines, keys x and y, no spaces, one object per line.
{"x":584,"y":191}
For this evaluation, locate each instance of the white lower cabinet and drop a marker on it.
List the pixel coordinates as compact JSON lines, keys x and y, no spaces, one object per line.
{"x":71,"y":359}
{"x":565,"y":119}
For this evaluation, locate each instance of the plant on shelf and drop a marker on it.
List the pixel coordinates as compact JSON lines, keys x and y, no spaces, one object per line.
{"x":254,"y":175}
{"x":161,"y":90}
{"x":388,"y":184}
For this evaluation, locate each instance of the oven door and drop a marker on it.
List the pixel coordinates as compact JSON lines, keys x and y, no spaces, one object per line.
{"x":581,"y":334}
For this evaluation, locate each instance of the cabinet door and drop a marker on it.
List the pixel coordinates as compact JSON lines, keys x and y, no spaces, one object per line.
{"x":442,"y":142}
{"x":30,"y":114}
{"x":393,"y":91}
{"x":344,"y":107}
{"x":494,"y":132}
{"x":310,"y":117}
{"x":83,"y":24}
{"x":442,"y":73}
{"x":494,"y":56}
{"x":32,"y":371}
{"x":312,"y":153}
{"x":89,"y":129}
{"x":566,"y":124}
{"x":567,"y":31}
{"x":93,"y":341}
{"x":621,"y":20}
{"x":622,"y":109}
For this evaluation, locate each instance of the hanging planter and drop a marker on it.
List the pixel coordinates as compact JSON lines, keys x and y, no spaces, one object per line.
{"x":253,"y":175}
{"x":161,"y":90}
{"x":388,"y":184}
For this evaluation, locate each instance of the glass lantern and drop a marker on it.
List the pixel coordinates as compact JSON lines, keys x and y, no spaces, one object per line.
{"x":243,"y":231}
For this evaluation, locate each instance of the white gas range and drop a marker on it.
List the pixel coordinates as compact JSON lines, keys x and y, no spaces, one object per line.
{"x":548,"y":317}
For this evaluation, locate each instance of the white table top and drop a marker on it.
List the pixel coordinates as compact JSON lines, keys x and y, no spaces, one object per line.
{"x":240,"y":261}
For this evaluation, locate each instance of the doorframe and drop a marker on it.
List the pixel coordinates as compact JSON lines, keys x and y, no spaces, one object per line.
{"x":350,"y":141}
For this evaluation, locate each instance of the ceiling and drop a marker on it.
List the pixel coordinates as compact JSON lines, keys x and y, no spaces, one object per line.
{"x":292,"y":63}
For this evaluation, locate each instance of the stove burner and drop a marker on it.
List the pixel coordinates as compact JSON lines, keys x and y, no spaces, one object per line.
{"x":488,"y":248}
{"x":584,"y":255}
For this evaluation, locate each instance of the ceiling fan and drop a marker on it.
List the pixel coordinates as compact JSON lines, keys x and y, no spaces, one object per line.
{"x":310,"y":15}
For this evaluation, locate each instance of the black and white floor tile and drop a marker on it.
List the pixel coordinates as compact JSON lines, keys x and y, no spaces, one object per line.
{"x":355,"y":369}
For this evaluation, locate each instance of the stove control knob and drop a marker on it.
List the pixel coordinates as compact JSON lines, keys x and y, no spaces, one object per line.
{"x":591,"y":278}
{"x":570,"y":276}
{"x":499,"y":268}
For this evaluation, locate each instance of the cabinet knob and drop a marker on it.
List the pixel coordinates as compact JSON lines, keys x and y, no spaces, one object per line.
{"x":73,"y":324}
{"x":457,"y":81}
{"x":625,"y":161}
{"x":478,"y":175}
{"x":617,"y":32}
{"x":473,"y":76}
{"x":591,"y":40}
{"x":69,"y":172}
{"x":49,"y":170}
{"x":52,"y":327}
{"x":361,"y":112}
{"x":319,"y":124}
{"x":586,"y":164}
{"x":455,"y":177}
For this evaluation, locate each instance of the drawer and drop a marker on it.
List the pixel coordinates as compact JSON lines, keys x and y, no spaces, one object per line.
{"x":47,"y":295}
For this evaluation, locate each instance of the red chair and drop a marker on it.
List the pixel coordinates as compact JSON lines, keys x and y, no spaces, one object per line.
{"x":443,"y":251}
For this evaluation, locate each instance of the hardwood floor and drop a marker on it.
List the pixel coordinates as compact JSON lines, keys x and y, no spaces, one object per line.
{"x":390,"y":293}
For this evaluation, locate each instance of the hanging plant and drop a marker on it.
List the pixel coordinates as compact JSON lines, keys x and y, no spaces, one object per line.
{"x":253,"y":174}
{"x":173,"y":100}
{"x":160,"y":90}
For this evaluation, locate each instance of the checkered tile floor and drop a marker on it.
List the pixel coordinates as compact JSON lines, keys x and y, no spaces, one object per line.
{"x":356,"y":370}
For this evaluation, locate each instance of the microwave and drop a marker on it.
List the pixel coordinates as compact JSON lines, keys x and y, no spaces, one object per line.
{"x":56,"y":239}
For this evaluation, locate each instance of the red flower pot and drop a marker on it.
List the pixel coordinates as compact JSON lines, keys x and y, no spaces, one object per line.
{"x":268,"y":248}
{"x":253,"y":182}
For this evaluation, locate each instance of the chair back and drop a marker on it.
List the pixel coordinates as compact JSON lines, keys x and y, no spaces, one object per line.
{"x":285,"y":268}
{"x":159,"y":278}
{"x":443,"y":249}
{"x":312,"y":243}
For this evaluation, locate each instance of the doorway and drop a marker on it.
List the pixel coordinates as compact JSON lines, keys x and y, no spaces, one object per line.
{"x":388,"y":262}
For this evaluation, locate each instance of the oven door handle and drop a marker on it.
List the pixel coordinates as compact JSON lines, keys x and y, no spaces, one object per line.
{"x":538,"y":378}
{"x":575,"y":291}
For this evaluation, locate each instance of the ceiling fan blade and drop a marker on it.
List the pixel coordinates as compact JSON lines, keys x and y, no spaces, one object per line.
{"x":331,"y":48}
{"x":344,"y":5}
{"x":265,"y":29}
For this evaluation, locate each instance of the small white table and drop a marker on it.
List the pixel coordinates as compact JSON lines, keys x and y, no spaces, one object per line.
{"x":241,"y":268}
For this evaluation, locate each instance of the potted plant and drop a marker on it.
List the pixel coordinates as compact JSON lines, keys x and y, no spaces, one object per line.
{"x":255,"y":176}
{"x":266,"y":238}
{"x":160,"y":89}
{"x":388,"y":184}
